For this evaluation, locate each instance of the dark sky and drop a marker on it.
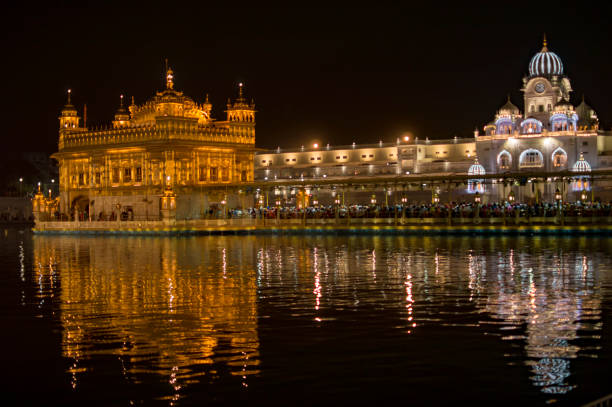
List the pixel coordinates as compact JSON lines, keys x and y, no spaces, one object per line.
{"x":337,"y":75}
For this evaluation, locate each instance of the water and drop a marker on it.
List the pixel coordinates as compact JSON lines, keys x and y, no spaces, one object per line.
{"x":286,"y":320}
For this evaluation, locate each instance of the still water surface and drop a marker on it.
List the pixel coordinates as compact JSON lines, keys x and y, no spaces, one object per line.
{"x":293,"y":320}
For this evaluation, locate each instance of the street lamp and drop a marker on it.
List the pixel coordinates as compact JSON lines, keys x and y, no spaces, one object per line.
{"x":404,"y":199}
{"x":558,"y":195}
{"x":373,"y":200}
{"x":436,"y":198}
{"x":477,"y":197}
{"x":584,"y":195}
{"x":511,"y":197}
{"x":20,"y":185}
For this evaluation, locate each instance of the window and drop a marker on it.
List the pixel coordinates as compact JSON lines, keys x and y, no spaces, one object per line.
{"x":224,"y":174}
{"x":585,"y":143}
{"x":97,"y":178}
{"x":559,"y":160}
{"x":318,"y":158}
{"x":343,"y":157}
{"x":293,"y":160}
{"x":243,"y":176}
{"x":540,"y":108}
{"x":363,"y":156}
{"x":127,"y":174}
{"x":531,"y":158}
{"x":371,"y":155}
{"x":287,"y":159}
{"x":115,"y":175}
{"x":337,"y":157}
{"x":504,"y":160}
{"x":312,"y":158}
{"x":214,"y":176}
{"x":81,"y":178}
{"x":138,"y":174}
{"x":202,"y":172}
{"x":263,"y":161}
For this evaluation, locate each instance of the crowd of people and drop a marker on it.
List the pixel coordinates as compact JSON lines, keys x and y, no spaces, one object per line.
{"x":433,"y":210}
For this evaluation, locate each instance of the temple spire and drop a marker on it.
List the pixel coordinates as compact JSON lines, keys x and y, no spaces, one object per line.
{"x":240,"y":94}
{"x":169,"y":76}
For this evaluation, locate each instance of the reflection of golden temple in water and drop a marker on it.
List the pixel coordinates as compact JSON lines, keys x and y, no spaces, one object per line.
{"x":209,"y":302}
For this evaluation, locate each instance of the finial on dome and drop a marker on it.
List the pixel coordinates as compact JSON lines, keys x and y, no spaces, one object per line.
{"x":133,"y":101}
{"x":544,"y":43}
{"x":206,"y":100}
{"x":240,"y":95}
{"x":169,"y":76}
{"x":69,"y":93}
{"x":121,"y":101}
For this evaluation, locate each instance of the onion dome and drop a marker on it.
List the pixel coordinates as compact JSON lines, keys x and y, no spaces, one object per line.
{"x":545,"y":63}
{"x":476,"y":168}
{"x":564,"y":105}
{"x":509,"y":108}
{"x":581,"y":165}
{"x":586,"y":115}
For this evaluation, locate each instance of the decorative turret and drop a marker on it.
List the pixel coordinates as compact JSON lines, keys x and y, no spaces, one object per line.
{"x":587,"y":118}
{"x":241,"y":111}
{"x":241,"y":116}
{"x":69,"y":118}
{"x":122,"y":117}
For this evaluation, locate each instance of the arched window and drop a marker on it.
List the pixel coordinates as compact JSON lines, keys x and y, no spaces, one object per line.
{"x":559,"y":158}
{"x":504,"y":160}
{"x":531,"y":158}
{"x":531,"y":125}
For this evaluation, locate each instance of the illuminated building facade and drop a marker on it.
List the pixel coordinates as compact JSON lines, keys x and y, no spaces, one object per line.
{"x":552,"y":135}
{"x":169,"y":143}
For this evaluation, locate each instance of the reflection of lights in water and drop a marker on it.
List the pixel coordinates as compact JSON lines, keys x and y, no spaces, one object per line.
{"x":317,"y":280}
{"x":550,"y":374}
{"x":551,"y":304}
{"x":224,"y":262}
{"x":409,"y":300}
{"x":102,"y":292}
{"x":170,"y":296}
{"x":260,"y":266}
{"x":374,"y":264}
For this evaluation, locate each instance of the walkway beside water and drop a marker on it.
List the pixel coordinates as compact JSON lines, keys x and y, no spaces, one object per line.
{"x":516,"y":225}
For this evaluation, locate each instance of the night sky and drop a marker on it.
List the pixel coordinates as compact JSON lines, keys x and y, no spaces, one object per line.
{"x":335,"y":75}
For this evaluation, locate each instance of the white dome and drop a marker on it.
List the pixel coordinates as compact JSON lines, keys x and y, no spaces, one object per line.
{"x":581,"y":165}
{"x":545,"y":63}
{"x":476,"y":169}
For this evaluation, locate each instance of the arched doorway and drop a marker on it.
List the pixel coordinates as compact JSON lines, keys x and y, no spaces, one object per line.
{"x":79,"y":209}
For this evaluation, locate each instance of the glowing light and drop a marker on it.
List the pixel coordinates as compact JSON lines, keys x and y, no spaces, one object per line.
{"x":316,"y":145}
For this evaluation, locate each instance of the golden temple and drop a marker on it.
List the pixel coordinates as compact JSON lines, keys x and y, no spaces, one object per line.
{"x":169,"y":143}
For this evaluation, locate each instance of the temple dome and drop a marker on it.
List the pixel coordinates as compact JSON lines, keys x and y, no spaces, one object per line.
{"x":545,"y":63}
{"x":509,"y":108}
{"x":586,"y":115}
{"x":564,"y":105}
{"x":581,"y":165}
{"x":476,"y":169}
